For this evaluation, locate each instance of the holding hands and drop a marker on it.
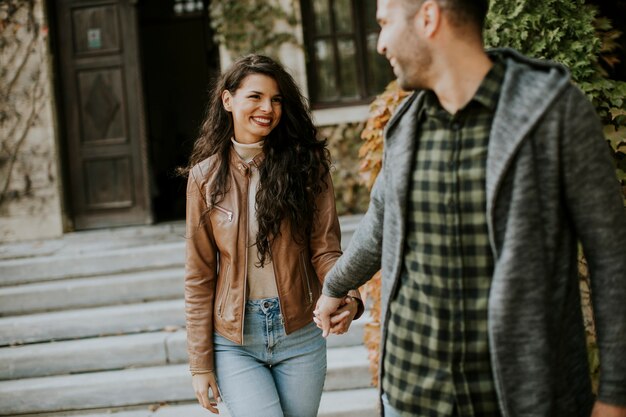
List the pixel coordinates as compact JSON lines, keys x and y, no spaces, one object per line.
{"x":334,"y":315}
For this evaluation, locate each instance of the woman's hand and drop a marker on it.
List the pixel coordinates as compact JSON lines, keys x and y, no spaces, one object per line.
{"x":341,"y":320}
{"x":201,"y":383}
{"x":602,"y":409}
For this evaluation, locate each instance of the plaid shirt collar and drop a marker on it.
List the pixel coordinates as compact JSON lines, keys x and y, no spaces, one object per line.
{"x":487,"y":94}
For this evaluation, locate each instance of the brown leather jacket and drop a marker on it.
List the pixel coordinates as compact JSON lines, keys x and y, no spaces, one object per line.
{"x":215,"y":271}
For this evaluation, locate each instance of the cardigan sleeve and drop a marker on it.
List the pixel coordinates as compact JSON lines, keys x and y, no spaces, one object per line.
{"x":362,"y":259}
{"x":594,"y":201}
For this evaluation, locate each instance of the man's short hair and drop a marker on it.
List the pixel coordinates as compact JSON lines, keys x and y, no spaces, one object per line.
{"x":462,"y":12}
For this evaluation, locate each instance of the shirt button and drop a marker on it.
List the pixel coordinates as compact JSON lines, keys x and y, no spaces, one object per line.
{"x":456,"y":126}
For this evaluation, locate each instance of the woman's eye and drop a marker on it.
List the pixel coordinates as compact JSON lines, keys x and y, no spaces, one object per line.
{"x":277,"y":99}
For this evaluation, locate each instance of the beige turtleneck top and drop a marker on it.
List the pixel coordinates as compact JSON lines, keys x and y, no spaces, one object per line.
{"x":261,"y":281}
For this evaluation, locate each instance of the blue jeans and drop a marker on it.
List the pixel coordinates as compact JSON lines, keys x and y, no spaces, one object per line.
{"x":272,"y":374}
{"x":389,"y":410}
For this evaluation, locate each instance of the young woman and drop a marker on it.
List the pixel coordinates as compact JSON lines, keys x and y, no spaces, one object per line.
{"x":262,"y":234}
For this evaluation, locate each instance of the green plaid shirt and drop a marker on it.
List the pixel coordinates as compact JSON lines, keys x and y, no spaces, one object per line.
{"x":437,"y":349}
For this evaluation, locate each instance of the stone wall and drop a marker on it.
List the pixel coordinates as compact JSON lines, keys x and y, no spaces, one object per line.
{"x":29,"y":182}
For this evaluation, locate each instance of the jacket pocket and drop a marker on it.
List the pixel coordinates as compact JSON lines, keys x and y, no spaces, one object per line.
{"x":224,"y":292}
{"x":306,"y":281}
{"x":227,"y":213}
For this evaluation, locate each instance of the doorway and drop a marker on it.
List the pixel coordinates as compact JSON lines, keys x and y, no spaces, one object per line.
{"x":178,"y":60}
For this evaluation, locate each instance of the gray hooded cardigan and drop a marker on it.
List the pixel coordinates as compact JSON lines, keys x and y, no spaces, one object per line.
{"x":550,"y":183}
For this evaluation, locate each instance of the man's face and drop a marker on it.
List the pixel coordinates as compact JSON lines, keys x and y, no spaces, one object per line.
{"x":401,"y":44}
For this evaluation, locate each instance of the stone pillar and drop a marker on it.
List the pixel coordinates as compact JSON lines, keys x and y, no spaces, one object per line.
{"x":30,"y":196}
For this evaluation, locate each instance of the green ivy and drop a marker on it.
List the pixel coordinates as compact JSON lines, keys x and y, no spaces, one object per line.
{"x":572,"y":33}
{"x":245,"y":26}
{"x":552,"y":29}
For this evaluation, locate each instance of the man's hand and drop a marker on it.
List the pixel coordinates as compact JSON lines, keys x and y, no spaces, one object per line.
{"x":342,"y":319}
{"x":201,"y":384}
{"x":601,"y":409}
{"x":325,"y":307}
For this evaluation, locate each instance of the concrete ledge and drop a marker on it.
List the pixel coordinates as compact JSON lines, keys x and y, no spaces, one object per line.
{"x":94,"y":390}
{"x":93,"y":292}
{"x":74,"y":324}
{"x":346,"y":403}
{"x":144,"y":386}
{"x":348,"y":368}
{"x":117,"y":352}
{"x":349,"y":403}
{"x":28,"y":270}
{"x":115,"y":256}
{"x":87,"y":355}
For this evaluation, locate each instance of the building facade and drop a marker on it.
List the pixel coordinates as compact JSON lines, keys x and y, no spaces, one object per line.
{"x":102,"y":100}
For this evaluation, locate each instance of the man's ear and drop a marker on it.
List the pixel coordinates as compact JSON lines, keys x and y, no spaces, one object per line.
{"x":429,"y":17}
{"x":227,"y":100}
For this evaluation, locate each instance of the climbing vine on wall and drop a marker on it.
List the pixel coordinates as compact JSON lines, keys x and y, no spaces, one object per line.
{"x":22,"y":92}
{"x":246,"y":26}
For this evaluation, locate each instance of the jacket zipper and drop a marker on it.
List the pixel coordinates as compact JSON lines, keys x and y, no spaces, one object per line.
{"x":229,"y":214}
{"x":245,"y":269}
{"x":280,"y":304}
{"x":306,"y":279}
{"x":225,"y":291}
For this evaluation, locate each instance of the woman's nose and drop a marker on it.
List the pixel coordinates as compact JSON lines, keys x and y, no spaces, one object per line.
{"x":266,"y":105}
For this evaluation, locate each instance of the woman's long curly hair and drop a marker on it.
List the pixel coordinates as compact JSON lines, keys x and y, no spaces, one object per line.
{"x":296,"y":162}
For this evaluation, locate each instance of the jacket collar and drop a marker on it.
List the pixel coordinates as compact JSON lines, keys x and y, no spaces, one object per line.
{"x":241,"y":166}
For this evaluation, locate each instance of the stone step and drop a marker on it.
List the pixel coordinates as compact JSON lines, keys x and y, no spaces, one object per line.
{"x":90,"y":322}
{"x":159,"y":284}
{"x":362,"y":402}
{"x":108,"y":252}
{"x":347,"y":369}
{"x":113,"y":261}
{"x":118,"y":352}
{"x":84,"y":242}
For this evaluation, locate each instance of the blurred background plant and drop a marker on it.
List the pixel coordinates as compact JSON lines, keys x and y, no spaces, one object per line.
{"x":245,"y":26}
{"x":571,"y":32}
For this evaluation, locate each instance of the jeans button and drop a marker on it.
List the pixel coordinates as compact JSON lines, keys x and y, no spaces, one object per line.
{"x":266,"y":304}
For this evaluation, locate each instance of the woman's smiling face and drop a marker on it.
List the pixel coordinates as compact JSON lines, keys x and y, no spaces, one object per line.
{"x":256,"y":107}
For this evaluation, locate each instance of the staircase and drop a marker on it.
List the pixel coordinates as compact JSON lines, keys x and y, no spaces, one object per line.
{"x":92,"y":325}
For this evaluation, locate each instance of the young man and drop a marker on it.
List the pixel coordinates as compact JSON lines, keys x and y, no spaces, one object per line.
{"x":494,"y":168}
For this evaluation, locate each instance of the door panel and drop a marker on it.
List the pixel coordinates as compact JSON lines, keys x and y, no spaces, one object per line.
{"x":103,"y":108}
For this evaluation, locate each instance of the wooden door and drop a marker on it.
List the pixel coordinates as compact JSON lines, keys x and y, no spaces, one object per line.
{"x":103,"y":109}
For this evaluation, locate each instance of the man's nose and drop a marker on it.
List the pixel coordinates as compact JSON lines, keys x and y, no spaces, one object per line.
{"x":380,"y":46}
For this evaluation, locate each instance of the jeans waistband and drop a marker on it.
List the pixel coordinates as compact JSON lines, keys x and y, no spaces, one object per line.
{"x":265,"y":305}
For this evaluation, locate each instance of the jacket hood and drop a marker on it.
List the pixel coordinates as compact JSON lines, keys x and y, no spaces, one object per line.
{"x":529,"y":87}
